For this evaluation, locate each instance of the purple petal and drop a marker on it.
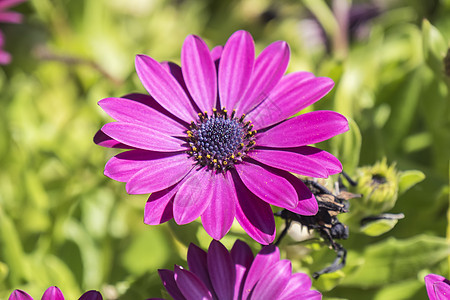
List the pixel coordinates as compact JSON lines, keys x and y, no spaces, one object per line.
{"x":19,"y":295}
{"x":298,"y":283}
{"x":129,"y":111}
{"x":274,"y":281}
{"x":175,"y":71}
{"x":254,"y":215}
{"x":190,"y":285}
{"x":124,"y":165}
{"x":197,"y":262}
{"x":264,"y":260}
{"x":221,"y":270}
{"x":242,"y":257}
{"x":5,"y":57}
{"x":168,"y":280}
{"x":53,"y":293}
{"x":309,"y":128}
{"x":10,"y":17}
{"x":306,"y":295}
{"x":290,"y":161}
{"x":164,"y":88}
{"x":194,"y":196}
{"x":269,"y":68}
{"x":104,"y":140}
{"x":267,"y":185}
{"x":293,"y":93}
{"x":216,"y":53}
{"x":307,"y":203}
{"x":219,"y":215}
{"x":437,"y":286}
{"x":142,"y":137}
{"x":327,"y":160}
{"x":91,"y":295}
{"x":235,"y":69}
{"x":159,"y":174}
{"x":199,"y":72}
{"x":5,"y":4}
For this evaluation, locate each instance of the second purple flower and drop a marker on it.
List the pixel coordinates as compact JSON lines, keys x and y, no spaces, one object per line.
{"x":212,"y":139}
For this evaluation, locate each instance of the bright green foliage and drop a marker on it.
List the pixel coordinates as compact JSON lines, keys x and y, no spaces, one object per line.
{"x":62,"y":222}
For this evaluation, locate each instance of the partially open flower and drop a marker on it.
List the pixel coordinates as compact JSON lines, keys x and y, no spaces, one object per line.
{"x":54,"y":293}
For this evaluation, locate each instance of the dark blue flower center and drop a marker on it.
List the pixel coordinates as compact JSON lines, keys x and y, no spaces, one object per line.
{"x":220,"y":141}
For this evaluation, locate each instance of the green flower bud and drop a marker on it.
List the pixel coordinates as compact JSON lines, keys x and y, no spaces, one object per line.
{"x":379,"y":186}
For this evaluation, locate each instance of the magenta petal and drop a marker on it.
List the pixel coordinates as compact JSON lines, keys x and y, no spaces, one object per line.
{"x":299,"y":282}
{"x":104,"y":140}
{"x":194,"y":196}
{"x":164,"y":88}
{"x":159,"y":174}
{"x":5,"y":4}
{"x":293,"y":93}
{"x":264,"y":260}
{"x":5,"y":57}
{"x":19,"y":295}
{"x":190,"y":285}
{"x":269,"y":68}
{"x":221,"y":270}
{"x":235,"y":68}
{"x":91,"y":295}
{"x":168,"y":280}
{"x":290,"y":161}
{"x":199,"y":72}
{"x":327,"y":160}
{"x":142,"y":137}
{"x":309,"y":128}
{"x":216,"y":53}
{"x":53,"y":293}
{"x":254,"y":215}
{"x":129,"y":111}
{"x":438,"y":287}
{"x":274,"y":281}
{"x":10,"y":17}
{"x":197,"y":262}
{"x":175,"y":71}
{"x":307,"y":203}
{"x":242,"y":257}
{"x":219,"y":215}
{"x":268,"y":186}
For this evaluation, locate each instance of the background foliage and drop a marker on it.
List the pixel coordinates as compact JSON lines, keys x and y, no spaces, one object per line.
{"x":63,"y":223}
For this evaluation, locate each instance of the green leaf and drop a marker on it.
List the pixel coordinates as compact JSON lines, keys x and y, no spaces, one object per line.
{"x":400,"y":291}
{"x":378,"y":227}
{"x":434,"y":46}
{"x":408,"y":179}
{"x":348,"y":147}
{"x":397,"y":260}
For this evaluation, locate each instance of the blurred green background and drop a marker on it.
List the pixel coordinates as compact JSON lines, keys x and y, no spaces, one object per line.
{"x":63,"y":223}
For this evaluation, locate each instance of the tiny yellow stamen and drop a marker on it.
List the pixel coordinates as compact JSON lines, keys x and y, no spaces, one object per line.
{"x":208,"y":156}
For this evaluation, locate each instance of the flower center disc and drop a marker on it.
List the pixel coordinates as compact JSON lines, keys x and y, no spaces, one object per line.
{"x":219,"y":141}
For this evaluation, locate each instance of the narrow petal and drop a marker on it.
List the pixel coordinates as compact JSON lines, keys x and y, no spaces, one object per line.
{"x":309,"y":128}
{"x":199,"y":72}
{"x":53,"y":293}
{"x":91,"y":295}
{"x":269,"y":68}
{"x":10,"y":17}
{"x":432,"y":289}
{"x":194,"y":196}
{"x":307,"y":203}
{"x":19,"y":295}
{"x":298,"y":283}
{"x":159,"y":174}
{"x":221,"y":270}
{"x":242,"y":257}
{"x":198,"y":264}
{"x":104,"y":140}
{"x":216,"y":53}
{"x":267,"y":185}
{"x":290,"y":161}
{"x":235,"y":68}
{"x":129,"y":111}
{"x":264,"y":260}
{"x":5,"y":4}
{"x":164,"y":88}
{"x":274,"y":281}
{"x":327,"y":160}
{"x":168,"y":280}
{"x":175,"y":71}
{"x":5,"y":57}
{"x":142,"y":137}
{"x":442,"y":290}
{"x":190,"y":285}
{"x":219,"y":215}
{"x":293,"y":93}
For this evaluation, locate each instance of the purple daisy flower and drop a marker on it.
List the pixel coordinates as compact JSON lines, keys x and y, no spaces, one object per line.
{"x":212,"y":140}
{"x":438,"y":287}
{"x":219,"y":274}
{"x":54,"y":293}
{"x":7,"y":17}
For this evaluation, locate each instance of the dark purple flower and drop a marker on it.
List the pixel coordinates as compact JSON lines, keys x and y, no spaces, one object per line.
{"x":54,"y":293}
{"x":212,"y":140}
{"x":219,"y":274}
{"x":438,"y":287}
{"x":7,"y":17}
